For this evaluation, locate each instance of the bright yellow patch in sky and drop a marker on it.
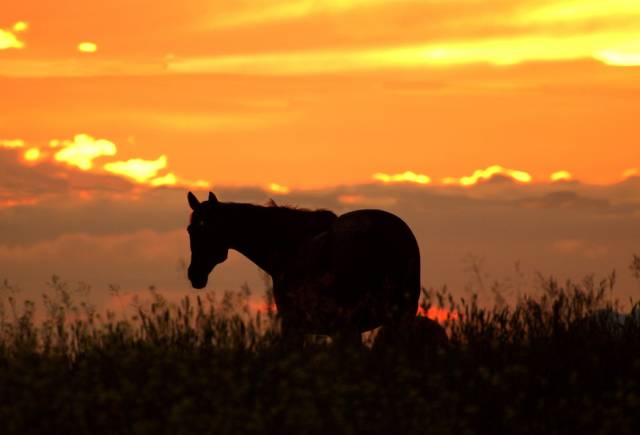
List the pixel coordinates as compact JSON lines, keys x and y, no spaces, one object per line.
{"x":561,"y":176}
{"x":9,"y":40}
{"x":407,"y":176}
{"x":83,"y":150}
{"x":614,"y":45}
{"x":278,"y":188}
{"x":167,"y":180}
{"x":171,"y":179}
{"x":610,"y":47}
{"x":87,"y":47}
{"x":486,"y":174}
{"x":625,"y":54}
{"x":32,"y":154}
{"x":631,"y":172}
{"x":11,"y":143}
{"x":138,"y":169}
{"x":20,"y":26}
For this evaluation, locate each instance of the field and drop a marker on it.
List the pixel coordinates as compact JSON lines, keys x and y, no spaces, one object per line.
{"x":563,"y":361}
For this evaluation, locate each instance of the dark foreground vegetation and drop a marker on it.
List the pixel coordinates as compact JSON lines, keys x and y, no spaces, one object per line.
{"x":563,"y":362}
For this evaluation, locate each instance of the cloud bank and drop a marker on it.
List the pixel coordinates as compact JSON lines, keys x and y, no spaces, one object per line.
{"x":118,"y":233}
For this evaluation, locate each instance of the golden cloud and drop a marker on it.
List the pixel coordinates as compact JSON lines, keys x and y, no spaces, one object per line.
{"x":560,"y":176}
{"x":11,"y":143}
{"x":166,"y":180}
{"x":278,"y":188}
{"x":8,"y":38}
{"x":147,"y":172}
{"x":32,"y":154}
{"x":407,"y":176}
{"x":502,"y":34}
{"x":20,"y":26}
{"x":83,"y":150}
{"x":87,"y":47}
{"x":138,"y":169}
{"x":486,"y":174}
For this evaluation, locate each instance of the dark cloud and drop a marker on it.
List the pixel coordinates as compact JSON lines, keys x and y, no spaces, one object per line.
{"x":46,"y":178}
{"x":565,"y":229}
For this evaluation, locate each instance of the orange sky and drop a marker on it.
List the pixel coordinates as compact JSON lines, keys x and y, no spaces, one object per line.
{"x":307,"y":93}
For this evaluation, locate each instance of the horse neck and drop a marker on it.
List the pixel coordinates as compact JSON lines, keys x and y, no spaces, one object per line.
{"x":253,"y":231}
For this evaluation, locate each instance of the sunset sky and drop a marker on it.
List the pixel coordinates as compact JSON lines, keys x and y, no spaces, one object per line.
{"x":308,"y":93}
{"x":130,"y":100}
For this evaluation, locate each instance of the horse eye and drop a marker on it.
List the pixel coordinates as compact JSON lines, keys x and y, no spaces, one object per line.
{"x":201,"y":223}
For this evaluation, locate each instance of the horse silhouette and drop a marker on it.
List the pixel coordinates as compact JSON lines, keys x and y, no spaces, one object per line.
{"x":336,"y":276}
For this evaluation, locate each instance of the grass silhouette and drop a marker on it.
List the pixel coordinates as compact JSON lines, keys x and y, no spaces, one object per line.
{"x":563,"y":361}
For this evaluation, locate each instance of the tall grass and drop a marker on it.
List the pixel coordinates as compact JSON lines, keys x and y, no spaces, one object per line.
{"x":565,"y":360}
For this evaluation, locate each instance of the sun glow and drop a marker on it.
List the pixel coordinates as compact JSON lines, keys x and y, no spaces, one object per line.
{"x":440,"y":315}
{"x":614,"y":48}
{"x":405,"y":177}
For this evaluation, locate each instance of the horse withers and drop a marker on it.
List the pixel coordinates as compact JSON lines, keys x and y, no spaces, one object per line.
{"x":332,"y":275}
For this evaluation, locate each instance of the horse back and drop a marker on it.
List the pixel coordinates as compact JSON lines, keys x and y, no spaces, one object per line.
{"x":371,"y":234}
{"x":373,"y":254}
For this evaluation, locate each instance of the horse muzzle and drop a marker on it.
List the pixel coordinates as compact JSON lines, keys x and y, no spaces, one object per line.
{"x":198,"y":280}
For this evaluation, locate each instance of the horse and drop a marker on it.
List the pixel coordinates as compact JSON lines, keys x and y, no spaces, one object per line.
{"x":332,"y":275}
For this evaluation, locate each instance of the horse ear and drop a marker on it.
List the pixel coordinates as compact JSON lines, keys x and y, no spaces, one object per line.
{"x":193,"y":201}
{"x":212,"y":198}
{"x":271,"y":203}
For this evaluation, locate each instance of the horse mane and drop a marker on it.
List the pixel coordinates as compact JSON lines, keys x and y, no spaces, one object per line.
{"x":307,"y":220}
{"x":288,"y":221}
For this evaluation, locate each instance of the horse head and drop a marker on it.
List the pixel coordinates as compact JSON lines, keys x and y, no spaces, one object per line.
{"x":209,"y":246}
